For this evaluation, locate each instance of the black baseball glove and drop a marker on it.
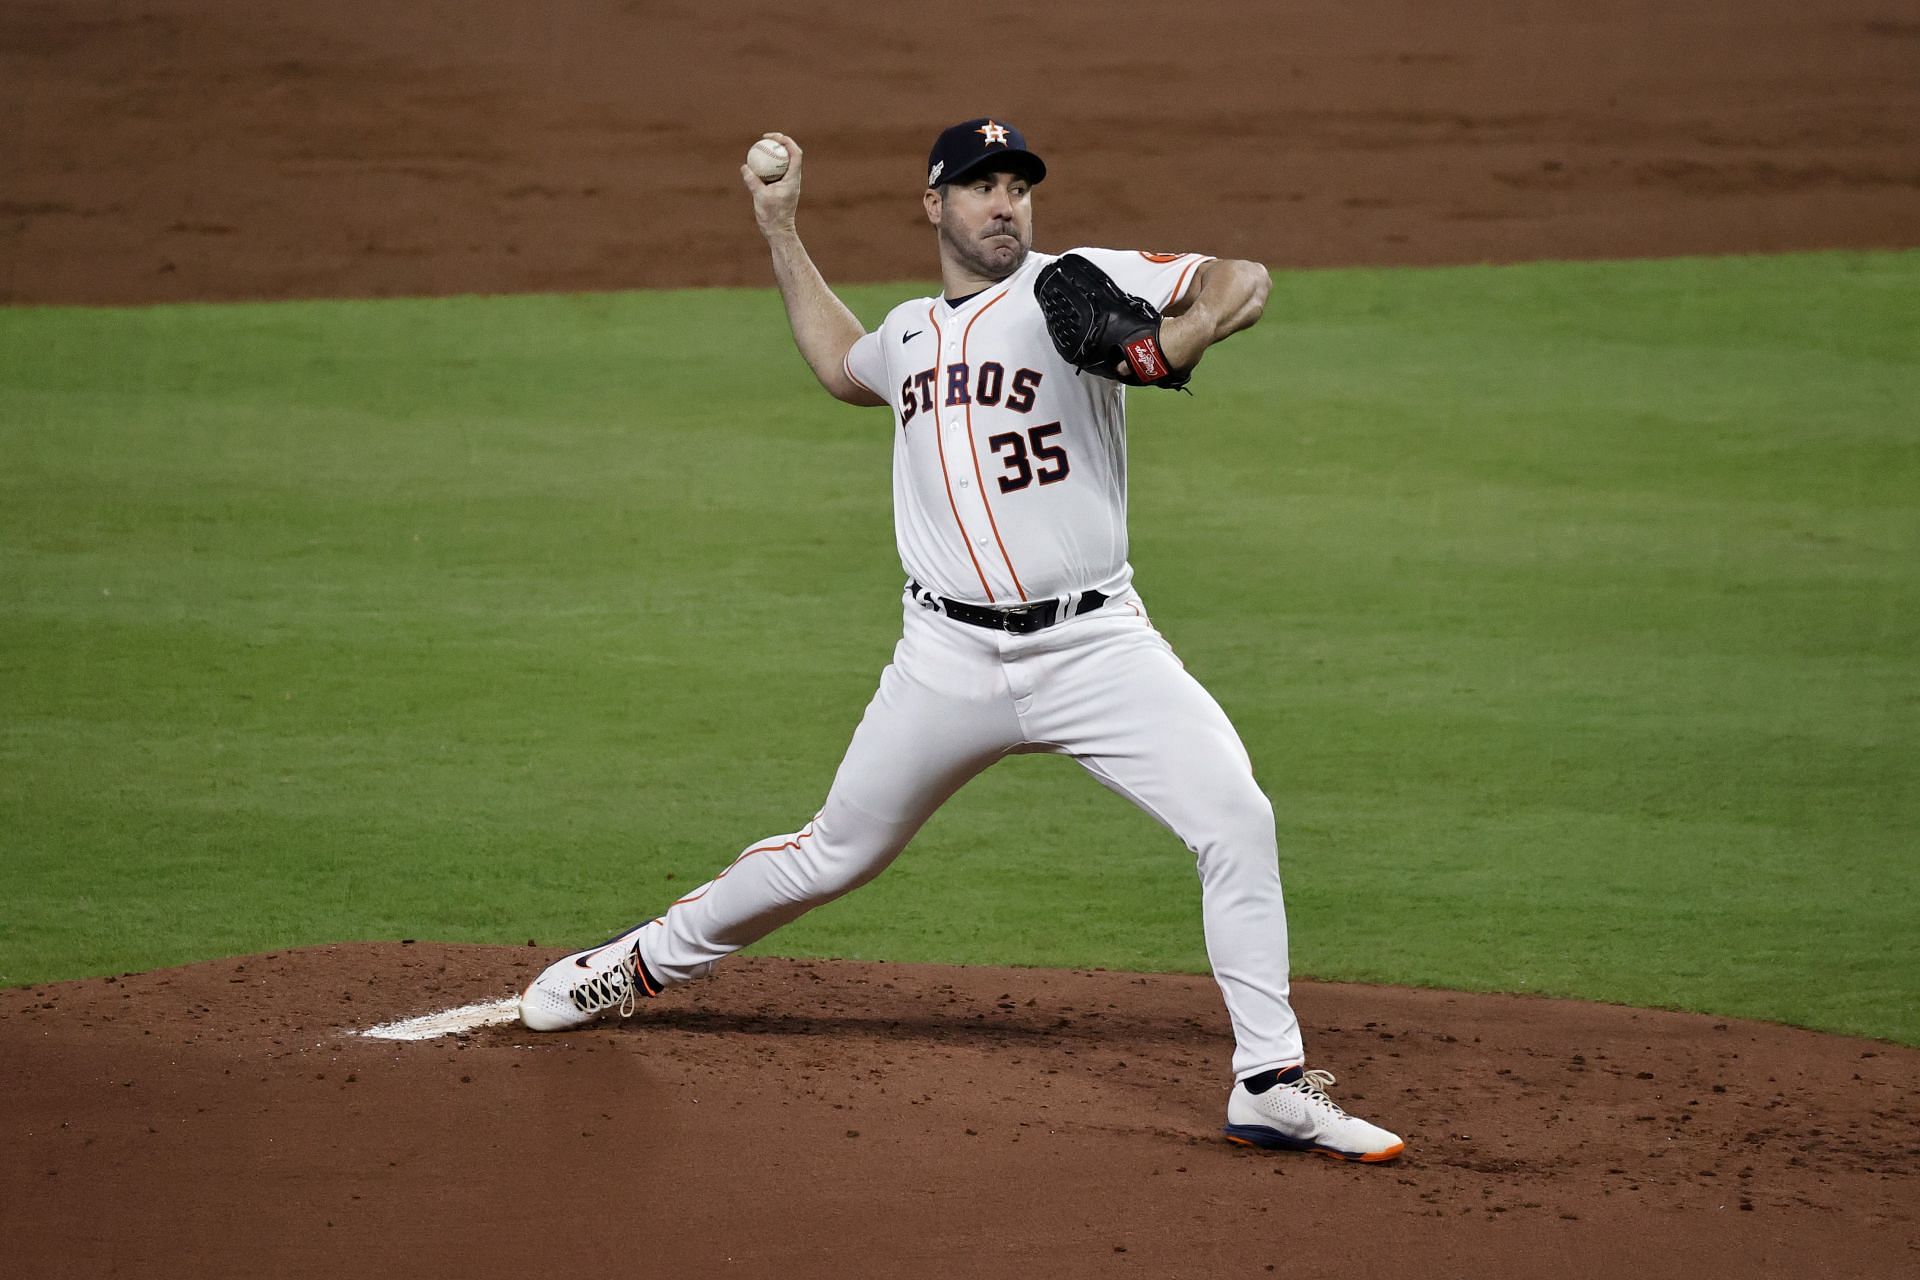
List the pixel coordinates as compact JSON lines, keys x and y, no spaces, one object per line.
{"x":1100,"y":328}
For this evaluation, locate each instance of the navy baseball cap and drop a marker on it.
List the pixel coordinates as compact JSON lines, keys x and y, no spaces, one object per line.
{"x":967,"y":146}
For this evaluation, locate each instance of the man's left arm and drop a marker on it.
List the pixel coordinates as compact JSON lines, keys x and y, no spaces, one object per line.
{"x":1227,"y":295}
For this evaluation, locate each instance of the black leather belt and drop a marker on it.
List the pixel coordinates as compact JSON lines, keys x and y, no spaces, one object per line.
{"x":1019,"y":620}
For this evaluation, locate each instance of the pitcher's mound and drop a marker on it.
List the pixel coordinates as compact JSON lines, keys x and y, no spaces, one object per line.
{"x":834,"y":1119}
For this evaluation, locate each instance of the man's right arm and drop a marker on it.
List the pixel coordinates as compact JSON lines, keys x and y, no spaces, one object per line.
{"x":823,"y":328}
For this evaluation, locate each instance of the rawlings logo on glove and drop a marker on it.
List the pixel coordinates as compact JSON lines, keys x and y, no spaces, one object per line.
{"x":1100,"y":328}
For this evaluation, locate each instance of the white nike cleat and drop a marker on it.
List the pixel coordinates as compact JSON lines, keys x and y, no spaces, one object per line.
{"x":573,"y":992}
{"x":1299,"y":1116}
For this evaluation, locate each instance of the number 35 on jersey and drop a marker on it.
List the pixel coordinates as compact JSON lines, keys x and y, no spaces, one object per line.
{"x":1010,"y":472}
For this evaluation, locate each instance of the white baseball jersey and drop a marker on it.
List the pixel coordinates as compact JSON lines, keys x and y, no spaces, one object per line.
{"x":1009,"y":465}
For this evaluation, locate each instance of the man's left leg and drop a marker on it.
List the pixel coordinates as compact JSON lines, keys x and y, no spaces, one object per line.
{"x":1111,"y":693}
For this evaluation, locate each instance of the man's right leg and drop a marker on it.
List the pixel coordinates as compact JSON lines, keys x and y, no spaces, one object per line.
{"x":941,"y":715}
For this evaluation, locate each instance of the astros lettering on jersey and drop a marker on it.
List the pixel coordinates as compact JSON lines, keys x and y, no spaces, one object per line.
{"x":1009,"y":465}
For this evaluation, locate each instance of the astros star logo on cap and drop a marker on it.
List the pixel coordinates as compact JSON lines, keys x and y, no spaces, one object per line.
{"x":993,"y":133}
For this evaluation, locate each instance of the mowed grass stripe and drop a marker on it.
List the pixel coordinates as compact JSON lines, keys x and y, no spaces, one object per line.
{"x":1569,"y":613}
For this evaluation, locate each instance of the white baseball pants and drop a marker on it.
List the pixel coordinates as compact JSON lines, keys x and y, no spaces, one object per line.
{"x":1105,"y":689}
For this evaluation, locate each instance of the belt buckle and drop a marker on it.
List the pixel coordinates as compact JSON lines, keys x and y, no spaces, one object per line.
{"x":1024,"y":619}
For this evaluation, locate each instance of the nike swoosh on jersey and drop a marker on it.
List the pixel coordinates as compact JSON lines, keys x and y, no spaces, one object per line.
{"x":910,"y":336}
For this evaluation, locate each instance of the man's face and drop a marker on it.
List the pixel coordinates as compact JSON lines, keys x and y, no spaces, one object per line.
{"x":987,"y":221}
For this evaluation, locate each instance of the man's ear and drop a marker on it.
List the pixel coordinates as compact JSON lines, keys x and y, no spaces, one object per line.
{"x":931,"y":202}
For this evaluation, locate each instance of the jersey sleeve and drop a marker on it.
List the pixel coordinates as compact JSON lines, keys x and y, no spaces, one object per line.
{"x":866,"y":362}
{"x":1161,"y":278}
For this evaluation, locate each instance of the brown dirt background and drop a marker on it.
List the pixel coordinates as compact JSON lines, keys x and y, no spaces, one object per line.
{"x":186,"y":149}
{"x":832,"y":1119}
{"x":835,"y":1119}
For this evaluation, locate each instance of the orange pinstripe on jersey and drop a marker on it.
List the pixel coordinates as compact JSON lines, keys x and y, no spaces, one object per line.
{"x":975,"y":449}
{"x":846,"y":365}
{"x":1181,"y":283}
{"x":939,"y":338}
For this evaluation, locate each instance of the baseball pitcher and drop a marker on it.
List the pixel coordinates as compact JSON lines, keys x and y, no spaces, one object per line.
{"x":1021,"y":627}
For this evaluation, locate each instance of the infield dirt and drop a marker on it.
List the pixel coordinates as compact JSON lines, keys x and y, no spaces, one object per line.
{"x":827,"y":1119}
{"x":198,"y":149}
{"x":838,"y":1119}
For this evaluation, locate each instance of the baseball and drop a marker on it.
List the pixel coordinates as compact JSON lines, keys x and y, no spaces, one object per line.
{"x":768,"y":160}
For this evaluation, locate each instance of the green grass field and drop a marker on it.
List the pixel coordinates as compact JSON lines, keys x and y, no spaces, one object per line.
{"x":1571,"y":614}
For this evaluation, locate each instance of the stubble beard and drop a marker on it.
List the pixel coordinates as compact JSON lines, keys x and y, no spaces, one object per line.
{"x":985,"y":259}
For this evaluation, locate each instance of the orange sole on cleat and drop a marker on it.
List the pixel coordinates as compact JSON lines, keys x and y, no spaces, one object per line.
{"x":1371,"y":1157}
{"x":1379,"y":1157}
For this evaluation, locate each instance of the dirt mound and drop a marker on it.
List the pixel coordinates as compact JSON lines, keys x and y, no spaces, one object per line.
{"x":832,"y":1119}
{"x":186,"y":149}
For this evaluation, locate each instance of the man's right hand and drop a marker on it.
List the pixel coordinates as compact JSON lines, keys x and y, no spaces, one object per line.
{"x":823,"y":328}
{"x":774,"y":203}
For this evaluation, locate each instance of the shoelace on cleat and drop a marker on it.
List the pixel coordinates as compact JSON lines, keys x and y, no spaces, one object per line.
{"x":616,"y":986}
{"x":1314,"y":1085}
